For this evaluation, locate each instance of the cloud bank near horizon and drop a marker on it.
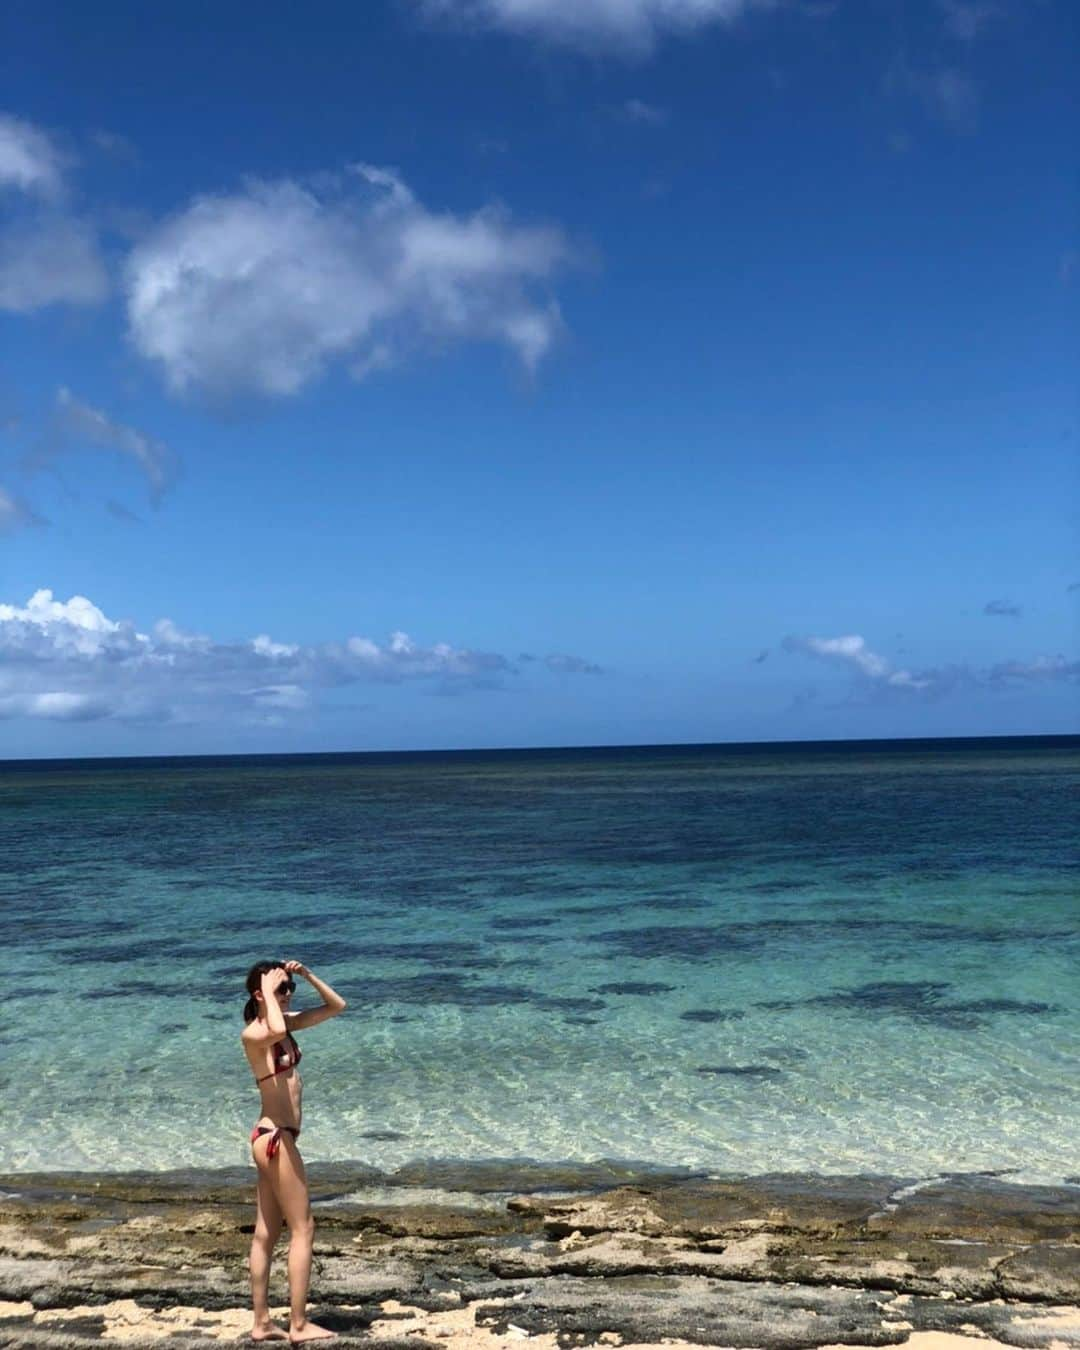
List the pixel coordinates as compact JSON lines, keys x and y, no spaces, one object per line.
{"x":68,"y":661}
{"x":875,"y":678}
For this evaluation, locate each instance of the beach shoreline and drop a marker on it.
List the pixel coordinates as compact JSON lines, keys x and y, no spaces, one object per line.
{"x":487,"y":1254}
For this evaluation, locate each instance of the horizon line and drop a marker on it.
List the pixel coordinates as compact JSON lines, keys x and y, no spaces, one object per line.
{"x":850,"y":742}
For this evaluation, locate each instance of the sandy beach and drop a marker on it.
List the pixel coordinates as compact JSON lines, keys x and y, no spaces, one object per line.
{"x":495,"y":1254}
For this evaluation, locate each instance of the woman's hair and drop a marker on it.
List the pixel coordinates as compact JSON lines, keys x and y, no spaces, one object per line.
{"x":254,"y":982}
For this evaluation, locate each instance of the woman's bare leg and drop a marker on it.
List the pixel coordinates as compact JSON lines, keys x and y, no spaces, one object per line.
{"x":287,"y":1175}
{"x":267,"y":1231}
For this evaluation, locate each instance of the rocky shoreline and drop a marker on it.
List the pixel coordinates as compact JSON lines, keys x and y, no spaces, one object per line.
{"x":461,"y":1255}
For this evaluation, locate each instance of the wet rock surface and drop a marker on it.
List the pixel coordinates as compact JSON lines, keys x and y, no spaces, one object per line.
{"x":459,"y":1254}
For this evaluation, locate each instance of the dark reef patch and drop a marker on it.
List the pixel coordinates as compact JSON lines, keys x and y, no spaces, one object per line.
{"x":700,"y":941}
{"x":672,"y":902}
{"x":641,"y":987}
{"x":608,"y":907}
{"x":1005,"y":1005}
{"x":135,"y":988}
{"x":435,"y":952}
{"x":923,"y":1000}
{"x":712,"y":1015}
{"x":763,"y":1071}
{"x":688,"y":943}
{"x":777,"y":886}
{"x":452,"y":987}
{"x":514,"y":923}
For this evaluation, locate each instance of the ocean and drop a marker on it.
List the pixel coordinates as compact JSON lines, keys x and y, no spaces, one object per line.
{"x":844,"y":957}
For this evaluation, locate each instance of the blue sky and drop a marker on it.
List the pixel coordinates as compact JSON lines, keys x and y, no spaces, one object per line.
{"x":683,"y":371}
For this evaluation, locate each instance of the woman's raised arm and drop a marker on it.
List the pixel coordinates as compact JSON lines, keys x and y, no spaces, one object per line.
{"x":333,"y":1003}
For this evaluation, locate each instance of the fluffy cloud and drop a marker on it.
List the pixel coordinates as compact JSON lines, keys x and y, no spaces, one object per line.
{"x":257,"y":291}
{"x":68,"y":660}
{"x":877,"y":677}
{"x":47,"y":255}
{"x":29,"y":160}
{"x":633,"y":24}
{"x":852,"y":651}
{"x":80,"y":423}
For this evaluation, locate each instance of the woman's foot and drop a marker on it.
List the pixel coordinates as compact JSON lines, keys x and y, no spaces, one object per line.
{"x":267,"y":1331}
{"x":309,"y":1332}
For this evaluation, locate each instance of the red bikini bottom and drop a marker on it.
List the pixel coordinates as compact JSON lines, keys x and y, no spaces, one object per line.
{"x":275,"y":1132}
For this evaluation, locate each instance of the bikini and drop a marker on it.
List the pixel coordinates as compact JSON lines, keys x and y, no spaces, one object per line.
{"x":285,"y":1057}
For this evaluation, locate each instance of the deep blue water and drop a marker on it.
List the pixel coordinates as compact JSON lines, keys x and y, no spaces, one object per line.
{"x":824,"y":957}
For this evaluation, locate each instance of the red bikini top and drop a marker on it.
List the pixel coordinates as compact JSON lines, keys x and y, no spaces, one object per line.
{"x":286,"y":1055}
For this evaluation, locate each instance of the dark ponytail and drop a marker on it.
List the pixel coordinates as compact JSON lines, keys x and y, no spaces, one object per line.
{"x":254,"y":983}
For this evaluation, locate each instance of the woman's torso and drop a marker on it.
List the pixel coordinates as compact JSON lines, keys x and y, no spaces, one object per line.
{"x":281,"y":1088}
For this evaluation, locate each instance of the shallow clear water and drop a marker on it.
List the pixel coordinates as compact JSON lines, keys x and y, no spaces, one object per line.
{"x":741,"y":959}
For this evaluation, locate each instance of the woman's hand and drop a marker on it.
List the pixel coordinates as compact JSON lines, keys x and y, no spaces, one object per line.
{"x":296,"y":968}
{"x":273,"y":978}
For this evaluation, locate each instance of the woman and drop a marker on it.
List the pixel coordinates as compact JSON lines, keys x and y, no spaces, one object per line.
{"x":283,"y":1190}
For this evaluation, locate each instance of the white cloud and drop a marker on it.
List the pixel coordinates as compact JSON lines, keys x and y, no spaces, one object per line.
{"x":871,"y":670}
{"x":851,"y":650}
{"x":266,"y":646}
{"x":47,"y":255}
{"x":46,"y":625}
{"x":257,"y":291}
{"x":59,"y":705}
{"x":67,"y":660}
{"x":81,"y":423}
{"x":631,"y":24}
{"x":1042,"y":668}
{"x":29,"y":159}
{"x":877,"y":677}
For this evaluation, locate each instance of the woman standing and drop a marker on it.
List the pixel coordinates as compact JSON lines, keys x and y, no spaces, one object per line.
{"x":283,"y":1190}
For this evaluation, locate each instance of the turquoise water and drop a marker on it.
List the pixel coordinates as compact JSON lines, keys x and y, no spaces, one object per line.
{"x":824,"y":958}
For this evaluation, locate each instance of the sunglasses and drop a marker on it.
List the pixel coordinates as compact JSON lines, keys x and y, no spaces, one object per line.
{"x":287,"y":988}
